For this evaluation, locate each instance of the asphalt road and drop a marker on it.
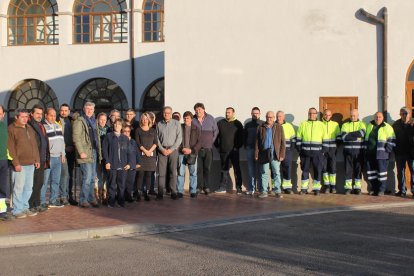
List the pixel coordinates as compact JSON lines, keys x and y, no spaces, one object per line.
{"x":374,"y":242}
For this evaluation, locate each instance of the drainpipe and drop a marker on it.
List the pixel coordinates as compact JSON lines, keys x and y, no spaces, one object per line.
{"x":384,"y":22}
{"x":132,"y":51}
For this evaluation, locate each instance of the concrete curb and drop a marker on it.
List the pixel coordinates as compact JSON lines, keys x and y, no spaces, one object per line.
{"x":152,"y":229}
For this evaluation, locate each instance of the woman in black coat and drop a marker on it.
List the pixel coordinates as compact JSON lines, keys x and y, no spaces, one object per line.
{"x":146,"y":139}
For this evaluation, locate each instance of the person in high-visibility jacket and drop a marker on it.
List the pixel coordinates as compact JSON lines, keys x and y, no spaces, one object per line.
{"x":4,"y":165}
{"x":379,"y":143}
{"x":290,"y":140}
{"x":309,"y":143}
{"x":329,"y":164}
{"x":352,"y":136}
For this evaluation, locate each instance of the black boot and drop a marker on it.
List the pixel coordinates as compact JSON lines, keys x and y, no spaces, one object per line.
{"x":146,"y":196}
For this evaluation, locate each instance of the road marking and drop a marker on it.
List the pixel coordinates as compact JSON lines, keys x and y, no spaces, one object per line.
{"x":377,"y":237}
{"x":131,"y":230}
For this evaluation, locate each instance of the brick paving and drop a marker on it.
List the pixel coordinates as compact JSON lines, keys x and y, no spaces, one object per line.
{"x":182,"y":212}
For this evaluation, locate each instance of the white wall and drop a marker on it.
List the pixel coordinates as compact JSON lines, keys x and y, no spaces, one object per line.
{"x":66,"y":66}
{"x":282,"y":54}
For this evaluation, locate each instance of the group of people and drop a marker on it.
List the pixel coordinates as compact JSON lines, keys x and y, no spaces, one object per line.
{"x":125,"y":160}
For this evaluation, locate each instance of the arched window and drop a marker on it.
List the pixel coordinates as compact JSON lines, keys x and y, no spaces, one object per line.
{"x":153,"y":21}
{"x":106,"y":95}
{"x":29,"y":93}
{"x":154,"y":97}
{"x":32,"y":22}
{"x":100,"y":21}
{"x":409,"y":88}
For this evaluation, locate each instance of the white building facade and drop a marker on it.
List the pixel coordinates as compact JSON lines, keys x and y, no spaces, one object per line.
{"x":70,"y":51}
{"x":286,"y":55}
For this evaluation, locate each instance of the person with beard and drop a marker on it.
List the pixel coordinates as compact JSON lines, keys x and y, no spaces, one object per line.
{"x":250,"y":133}
{"x":37,"y":200}
{"x":229,"y":141}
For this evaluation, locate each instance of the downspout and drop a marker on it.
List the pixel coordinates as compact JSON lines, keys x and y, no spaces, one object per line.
{"x":384,"y":22}
{"x":132,"y":51}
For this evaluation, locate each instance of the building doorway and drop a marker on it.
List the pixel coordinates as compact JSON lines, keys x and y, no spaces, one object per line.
{"x":340,"y":106}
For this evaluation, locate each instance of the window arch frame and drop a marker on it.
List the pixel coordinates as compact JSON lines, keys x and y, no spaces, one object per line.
{"x":22,"y":21}
{"x":159,"y":33}
{"x":145,"y":97}
{"x":79,"y":101}
{"x":80,"y":16}
{"x":20,"y":97}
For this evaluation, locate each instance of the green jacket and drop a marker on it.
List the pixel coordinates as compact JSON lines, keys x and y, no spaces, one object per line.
{"x":82,"y":140}
{"x":385,"y":140}
{"x":3,"y":140}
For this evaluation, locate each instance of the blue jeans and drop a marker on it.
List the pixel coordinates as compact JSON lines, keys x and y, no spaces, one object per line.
{"x":182,"y":163}
{"x":275,"y":168}
{"x":253,"y":168}
{"x":54,"y":175}
{"x":23,"y":182}
{"x":88,"y":180}
{"x":64,"y":180}
{"x":401,"y":161}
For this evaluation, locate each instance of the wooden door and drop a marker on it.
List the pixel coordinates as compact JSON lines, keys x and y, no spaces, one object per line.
{"x":409,"y":103}
{"x":340,"y":106}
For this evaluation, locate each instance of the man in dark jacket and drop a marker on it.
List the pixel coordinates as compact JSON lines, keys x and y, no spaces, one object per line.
{"x":134,"y":162}
{"x":229,"y":141}
{"x":66,"y":178}
{"x":188,"y":150}
{"x":115,"y":151}
{"x":250,"y":133}
{"x":379,"y":143}
{"x":36,"y":202}
{"x":403,"y":150}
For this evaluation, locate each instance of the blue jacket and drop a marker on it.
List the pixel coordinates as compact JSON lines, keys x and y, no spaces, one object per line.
{"x":116,"y":151}
{"x":133,"y":150}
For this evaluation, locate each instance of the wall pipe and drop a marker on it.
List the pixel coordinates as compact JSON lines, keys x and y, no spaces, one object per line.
{"x":132,"y":51}
{"x":384,"y":22}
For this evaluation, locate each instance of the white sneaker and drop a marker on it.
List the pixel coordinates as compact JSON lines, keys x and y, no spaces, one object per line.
{"x":30,"y":213}
{"x":250,"y":193}
{"x":220,"y":190}
{"x":263,"y":195}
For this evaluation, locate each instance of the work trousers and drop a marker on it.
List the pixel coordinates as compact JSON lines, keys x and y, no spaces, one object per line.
{"x":286,"y":166}
{"x":353,"y":170}
{"x":329,"y":168}
{"x":377,"y":174}
{"x":316,"y":161}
